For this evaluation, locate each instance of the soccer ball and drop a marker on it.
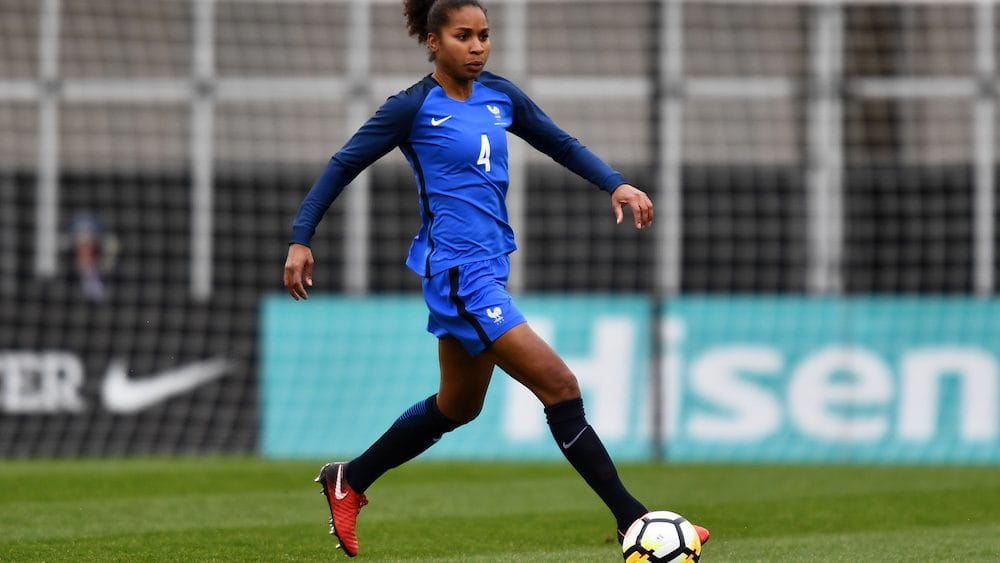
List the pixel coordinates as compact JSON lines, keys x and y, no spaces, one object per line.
{"x":661,"y":536}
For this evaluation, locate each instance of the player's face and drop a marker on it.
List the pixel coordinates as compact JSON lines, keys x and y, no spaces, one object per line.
{"x":463,"y":46}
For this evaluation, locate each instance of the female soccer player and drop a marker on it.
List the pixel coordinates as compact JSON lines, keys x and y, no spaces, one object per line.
{"x":452,"y":127}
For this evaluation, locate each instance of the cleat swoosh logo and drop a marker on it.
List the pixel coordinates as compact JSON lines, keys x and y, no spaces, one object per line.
{"x":568,"y":445}
{"x":338,"y":491}
{"x":436,"y":122}
{"x":124,"y":395}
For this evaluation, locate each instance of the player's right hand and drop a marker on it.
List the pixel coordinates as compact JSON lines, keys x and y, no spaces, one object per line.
{"x":298,"y":271}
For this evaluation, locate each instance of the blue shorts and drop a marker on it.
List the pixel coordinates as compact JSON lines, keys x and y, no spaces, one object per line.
{"x":470,"y":303}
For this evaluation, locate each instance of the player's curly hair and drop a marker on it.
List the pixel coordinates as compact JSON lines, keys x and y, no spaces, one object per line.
{"x":428,"y":16}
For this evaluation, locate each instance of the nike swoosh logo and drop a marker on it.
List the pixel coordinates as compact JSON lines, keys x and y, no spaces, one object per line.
{"x":436,"y":122}
{"x":124,"y":395}
{"x":568,"y":445}
{"x":338,"y":491}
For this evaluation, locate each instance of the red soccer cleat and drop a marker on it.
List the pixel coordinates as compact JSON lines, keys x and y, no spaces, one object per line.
{"x":703,"y":534}
{"x":345,"y":504}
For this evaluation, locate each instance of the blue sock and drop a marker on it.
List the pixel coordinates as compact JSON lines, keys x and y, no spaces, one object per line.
{"x":414,"y":431}
{"x":587,"y":454}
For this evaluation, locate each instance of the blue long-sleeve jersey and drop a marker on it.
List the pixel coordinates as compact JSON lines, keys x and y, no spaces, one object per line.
{"x":458,"y":152}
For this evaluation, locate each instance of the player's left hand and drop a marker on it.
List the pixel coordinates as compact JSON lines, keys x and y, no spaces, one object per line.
{"x":642,"y":206}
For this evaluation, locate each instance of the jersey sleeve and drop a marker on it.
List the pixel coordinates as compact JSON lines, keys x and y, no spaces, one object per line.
{"x":385,"y":130}
{"x":534,"y":126}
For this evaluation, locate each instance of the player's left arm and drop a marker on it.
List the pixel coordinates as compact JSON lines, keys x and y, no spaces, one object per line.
{"x":537,"y":128}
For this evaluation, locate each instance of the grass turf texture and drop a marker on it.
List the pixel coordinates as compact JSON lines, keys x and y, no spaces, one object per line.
{"x":245,"y":509}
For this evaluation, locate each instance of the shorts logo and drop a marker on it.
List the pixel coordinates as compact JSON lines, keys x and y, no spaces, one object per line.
{"x":496,"y":314}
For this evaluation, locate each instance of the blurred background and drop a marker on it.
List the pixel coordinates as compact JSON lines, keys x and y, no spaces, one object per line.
{"x":820,"y":282}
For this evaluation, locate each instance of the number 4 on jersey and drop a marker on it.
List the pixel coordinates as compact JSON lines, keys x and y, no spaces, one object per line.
{"x":484,"y":153}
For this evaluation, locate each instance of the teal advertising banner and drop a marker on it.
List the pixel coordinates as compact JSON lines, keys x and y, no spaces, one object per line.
{"x":337,"y":371}
{"x":845,"y":380}
{"x":758,"y":379}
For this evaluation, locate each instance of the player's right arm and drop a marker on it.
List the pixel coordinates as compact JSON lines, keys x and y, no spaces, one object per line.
{"x":385,"y":130}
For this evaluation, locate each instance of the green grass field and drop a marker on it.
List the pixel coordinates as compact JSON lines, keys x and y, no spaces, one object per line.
{"x":236,"y":509}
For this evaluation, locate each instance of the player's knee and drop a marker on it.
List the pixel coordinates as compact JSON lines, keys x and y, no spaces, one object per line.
{"x":467,"y":414}
{"x":564,"y":387}
{"x":462,"y":413}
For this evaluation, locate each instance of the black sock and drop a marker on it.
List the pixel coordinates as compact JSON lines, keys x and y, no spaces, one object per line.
{"x":414,"y":431}
{"x":584,"y":450}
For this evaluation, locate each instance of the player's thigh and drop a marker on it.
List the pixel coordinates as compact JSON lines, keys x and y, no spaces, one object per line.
{"x":532,"y":362}
{"x":464,"y":380}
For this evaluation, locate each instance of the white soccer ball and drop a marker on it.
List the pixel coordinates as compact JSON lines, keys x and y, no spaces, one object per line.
{"x":661,"y":536}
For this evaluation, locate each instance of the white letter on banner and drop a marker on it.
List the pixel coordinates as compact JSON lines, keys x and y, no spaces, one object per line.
{"x":812,"y":392}
{"x":41,"y":382}
{"x":918,"y":407}
{"x":67,"y":370}
{"x":604,"y":376}
{"x":22,"y":384}
{"x":751,"y":413}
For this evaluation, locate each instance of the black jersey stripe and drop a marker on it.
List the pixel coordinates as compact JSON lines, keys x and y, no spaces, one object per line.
{"x":462,"y":311}
{"x":425,"y":201}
